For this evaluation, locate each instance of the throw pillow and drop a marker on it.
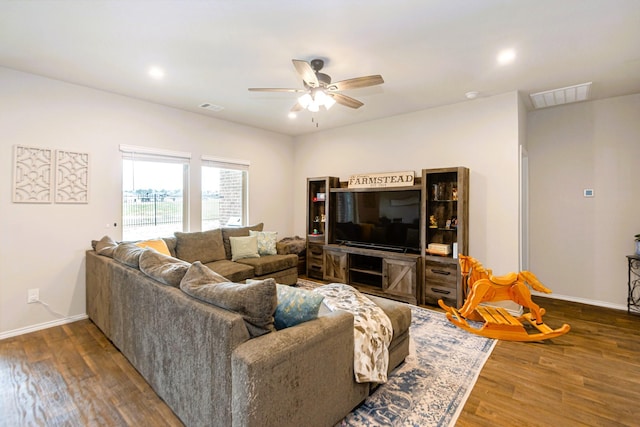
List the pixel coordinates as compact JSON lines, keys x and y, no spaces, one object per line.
{"x":295,"y":306}
{"x":255,"y":302}
{"x":228,"y":232}
{"x":163,"y":268}
{"x":106,"y":246}
{"x":128,"y":254}
{"x":203,"y":246}
{"x":266,"y":241}
{"x":157,"y":244}
{"x":244,"y":247}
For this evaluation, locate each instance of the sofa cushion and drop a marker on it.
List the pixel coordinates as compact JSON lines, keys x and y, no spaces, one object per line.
{"x":128,"y":254}
{"x":270,"y":263}
{"x":171,"y":244}
{"x":163,"y":268}
{"x":255,"y":302}
{"x":295,"y":306}
{"x":157,"y":244}
{"x":266,"y":241}
{"x":236,"y":232}
{"x":106,"y":246}
{"x":244,"y":247}
{"x":233,"y":271}
{"x":203,"y":246}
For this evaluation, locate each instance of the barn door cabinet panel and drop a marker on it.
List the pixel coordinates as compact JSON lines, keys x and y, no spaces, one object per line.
{"x":335,"y":263}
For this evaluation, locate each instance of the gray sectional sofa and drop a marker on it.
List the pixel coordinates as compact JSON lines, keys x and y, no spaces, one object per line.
{"x":213,"y":249}
{"x":206,"y":362}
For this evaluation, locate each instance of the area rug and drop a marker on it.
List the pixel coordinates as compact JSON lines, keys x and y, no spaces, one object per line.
{"x":431,"y":387}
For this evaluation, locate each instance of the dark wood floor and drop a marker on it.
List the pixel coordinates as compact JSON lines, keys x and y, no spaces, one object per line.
{"x":71,"y":375}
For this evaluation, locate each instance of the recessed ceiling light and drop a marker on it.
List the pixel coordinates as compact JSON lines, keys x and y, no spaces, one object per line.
{"x":506,"y":56}
{"x":156,"y":73}
{"x":292,"y":115}
{"x":472,"y":95}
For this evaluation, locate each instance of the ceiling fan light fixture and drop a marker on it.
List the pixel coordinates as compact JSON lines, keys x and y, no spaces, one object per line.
{"x":314,"y":107}
{"x":305,"y":100}
{"x":329,"y":102}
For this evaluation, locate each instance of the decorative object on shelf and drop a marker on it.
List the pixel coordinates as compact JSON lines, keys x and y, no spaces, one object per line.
{"x":439,"y":249}
{"x":433,"y":222}
{"x":637,"y":236}
{"x":454,"y":194}
{"x":498,"y":323}
{"x":382,"y":180}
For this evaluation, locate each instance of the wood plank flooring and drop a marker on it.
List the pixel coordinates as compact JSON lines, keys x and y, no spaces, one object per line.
{"x":71,"y":375}
{"x":588,"y":377}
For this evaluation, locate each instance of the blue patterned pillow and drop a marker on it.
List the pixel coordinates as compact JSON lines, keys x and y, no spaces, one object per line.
{"x":266,"y":241}
{"x":295,"y":306}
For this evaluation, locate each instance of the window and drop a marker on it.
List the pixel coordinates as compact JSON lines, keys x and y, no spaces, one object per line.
{"x":154,"y":192}
{"x":224,"y":192}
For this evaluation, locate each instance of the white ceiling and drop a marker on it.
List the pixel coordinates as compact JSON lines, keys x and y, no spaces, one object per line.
{"x":429,"y":52}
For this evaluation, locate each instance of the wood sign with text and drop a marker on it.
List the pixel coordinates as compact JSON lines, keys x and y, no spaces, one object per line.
{"x":377,"y":180}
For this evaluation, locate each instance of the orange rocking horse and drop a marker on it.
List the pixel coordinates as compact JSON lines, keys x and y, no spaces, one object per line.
{"x":483,"y":286}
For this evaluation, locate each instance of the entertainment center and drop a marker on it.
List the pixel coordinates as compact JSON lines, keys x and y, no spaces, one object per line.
{"x":400,"y":242}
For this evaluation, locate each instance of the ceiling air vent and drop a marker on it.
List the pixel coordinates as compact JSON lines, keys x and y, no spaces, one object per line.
{"x":565,"y":95}
{"x":211,"y":107}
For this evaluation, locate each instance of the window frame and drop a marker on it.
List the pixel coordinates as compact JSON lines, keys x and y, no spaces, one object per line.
{"x":147,"y":154}
{"x":231,"y":164}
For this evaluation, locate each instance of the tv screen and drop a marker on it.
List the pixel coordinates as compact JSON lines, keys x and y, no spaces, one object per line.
{"x":380,"y":219}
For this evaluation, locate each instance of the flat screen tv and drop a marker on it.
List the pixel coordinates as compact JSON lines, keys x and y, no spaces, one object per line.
{"x":380,"y":219}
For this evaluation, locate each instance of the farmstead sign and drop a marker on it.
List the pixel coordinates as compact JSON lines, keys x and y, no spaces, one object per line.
{"x":376,"y":180}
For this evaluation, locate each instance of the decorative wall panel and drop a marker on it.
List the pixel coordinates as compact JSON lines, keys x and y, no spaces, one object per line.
{"x":33,"y":175}
{"x":72,"y":177}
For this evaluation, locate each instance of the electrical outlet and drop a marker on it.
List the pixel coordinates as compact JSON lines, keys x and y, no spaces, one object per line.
{"x":33,"y":295}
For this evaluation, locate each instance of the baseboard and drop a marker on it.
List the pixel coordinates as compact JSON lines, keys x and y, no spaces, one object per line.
{"x":40,"y":326}
{"x":582,"y":300}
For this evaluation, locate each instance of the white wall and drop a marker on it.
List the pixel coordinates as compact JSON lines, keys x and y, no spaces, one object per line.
{"x":43,"y":244}
{"x":482,"y":135}
{"x":578,"y":245}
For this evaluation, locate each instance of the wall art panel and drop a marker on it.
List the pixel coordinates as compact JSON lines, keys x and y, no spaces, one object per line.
{"x":72,"y":177}
{"x":33,"y":174}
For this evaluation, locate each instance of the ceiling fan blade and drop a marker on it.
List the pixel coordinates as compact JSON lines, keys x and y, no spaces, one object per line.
{"x":297,"y":107}
{"x":356,"y":83}
{"x":345,"y":100}
{"x":275,"y":89}
{"x":306,"y":72}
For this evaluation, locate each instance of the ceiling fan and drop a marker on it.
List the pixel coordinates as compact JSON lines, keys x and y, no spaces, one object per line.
{"x":319,"y":91}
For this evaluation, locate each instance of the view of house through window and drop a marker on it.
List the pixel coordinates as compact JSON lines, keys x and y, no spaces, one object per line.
{"x":224,"y":193}
{"x":153,"y":196}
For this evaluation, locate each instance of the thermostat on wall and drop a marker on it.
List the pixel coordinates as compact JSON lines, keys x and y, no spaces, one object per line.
{"x":588,"y":192}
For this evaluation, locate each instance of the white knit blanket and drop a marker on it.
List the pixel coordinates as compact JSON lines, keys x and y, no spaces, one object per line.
{"x":372,"y":330}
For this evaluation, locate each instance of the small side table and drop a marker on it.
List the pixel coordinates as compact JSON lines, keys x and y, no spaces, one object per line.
{"x":633,"y":284}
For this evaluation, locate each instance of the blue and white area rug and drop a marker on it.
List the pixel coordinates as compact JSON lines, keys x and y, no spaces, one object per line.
{"x":431,"y":387}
